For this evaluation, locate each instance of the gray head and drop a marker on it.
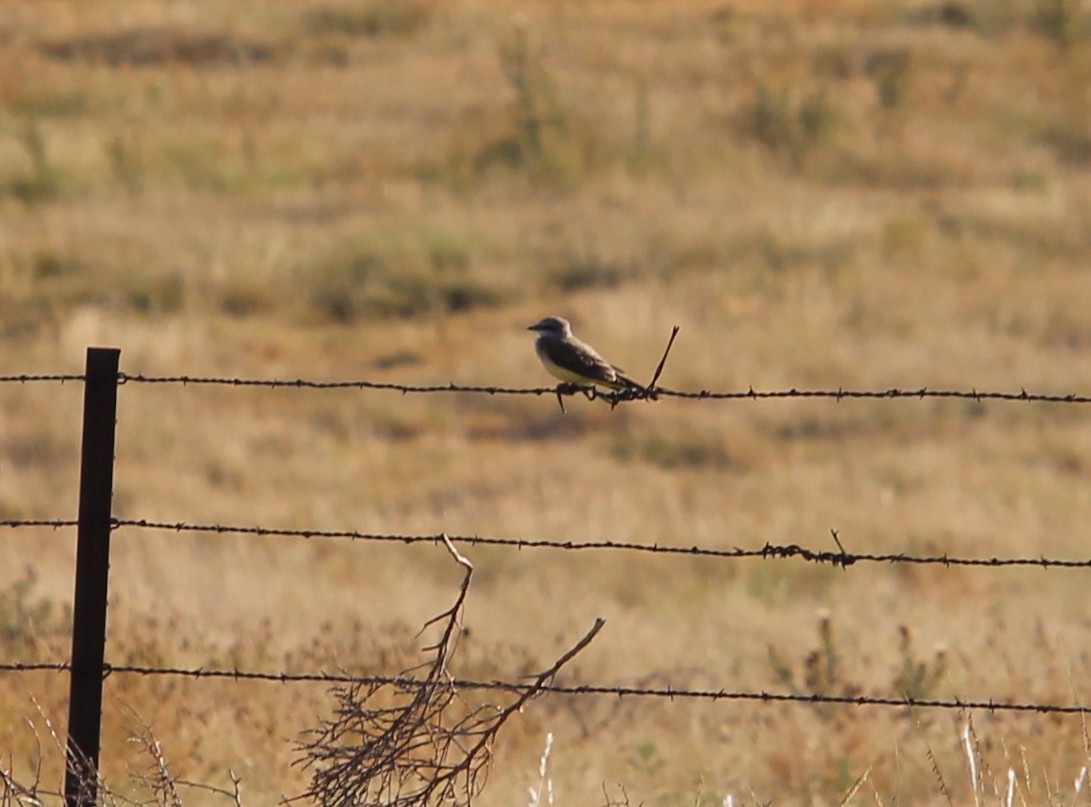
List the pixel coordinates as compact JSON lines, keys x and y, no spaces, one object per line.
{"x":555,"y":326}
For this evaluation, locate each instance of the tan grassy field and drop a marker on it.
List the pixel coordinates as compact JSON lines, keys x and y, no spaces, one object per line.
{"x":822,"y":194}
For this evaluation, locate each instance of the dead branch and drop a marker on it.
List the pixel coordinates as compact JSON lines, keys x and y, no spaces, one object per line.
{"x":650,"y":392}
{"x":158,"y":779}
{"x":663,"y":361}
{"x":154,"y":787}
{"x":235,"y":794}
{"x":416,"y":741}
{"x":14,"y":793}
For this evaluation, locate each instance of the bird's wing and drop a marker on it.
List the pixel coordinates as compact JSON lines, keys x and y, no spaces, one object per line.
{"x":580,"y":359}
{"x":623,"y":379}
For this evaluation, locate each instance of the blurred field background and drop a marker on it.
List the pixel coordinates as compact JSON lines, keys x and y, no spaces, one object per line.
{"x":821,"y":193}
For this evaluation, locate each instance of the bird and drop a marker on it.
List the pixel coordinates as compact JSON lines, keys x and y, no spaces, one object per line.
{"x":573,"y":361}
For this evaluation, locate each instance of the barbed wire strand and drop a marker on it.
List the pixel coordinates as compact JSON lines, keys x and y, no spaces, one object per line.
{"x":668,"y":693}
{"x":26,"y":379}
{"x":750,"y":393}
{"x":766,"y":552}
{"x":54,"y":523}
{"x":652,"y":392}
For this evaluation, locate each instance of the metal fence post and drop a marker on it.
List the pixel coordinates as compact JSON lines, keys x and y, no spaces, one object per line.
{"x":92,"y":572}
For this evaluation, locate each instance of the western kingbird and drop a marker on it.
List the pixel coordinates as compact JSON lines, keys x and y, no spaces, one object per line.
{"x":573,"y":361}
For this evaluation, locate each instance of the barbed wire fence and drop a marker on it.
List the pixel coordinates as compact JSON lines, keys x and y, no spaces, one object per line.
{"x":427,"y":696}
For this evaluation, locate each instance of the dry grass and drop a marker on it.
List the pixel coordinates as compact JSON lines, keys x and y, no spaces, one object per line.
{"x":820,"y":193}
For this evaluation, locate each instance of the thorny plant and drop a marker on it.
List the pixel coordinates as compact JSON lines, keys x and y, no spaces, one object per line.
{"x":414,"y":741}
{"x":822,"y":673}
{"x":151,"y":786}
{"x":163,"y":785}
{"x":16,"y":793}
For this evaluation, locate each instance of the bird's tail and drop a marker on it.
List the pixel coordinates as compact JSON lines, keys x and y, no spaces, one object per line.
{"x":624,"y":382}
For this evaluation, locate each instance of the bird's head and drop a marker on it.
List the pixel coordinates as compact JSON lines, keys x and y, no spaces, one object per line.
{"x":553,"y":325}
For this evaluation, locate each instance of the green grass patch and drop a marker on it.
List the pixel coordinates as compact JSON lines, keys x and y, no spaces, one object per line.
{"x":372,"y":18}
{"x":401,"y":274}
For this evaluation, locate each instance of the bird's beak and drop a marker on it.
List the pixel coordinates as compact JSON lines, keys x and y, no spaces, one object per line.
{"x":532,"y":327}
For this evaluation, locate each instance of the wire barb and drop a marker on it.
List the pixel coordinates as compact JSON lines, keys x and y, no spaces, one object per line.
{"x":845,"y":559}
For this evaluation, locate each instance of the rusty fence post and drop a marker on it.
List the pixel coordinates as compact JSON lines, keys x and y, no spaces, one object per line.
{"x":92,"y":573}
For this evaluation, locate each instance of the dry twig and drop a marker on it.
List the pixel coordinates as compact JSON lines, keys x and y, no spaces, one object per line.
{"x":414,"y":741}
{"x":158,"y":779}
